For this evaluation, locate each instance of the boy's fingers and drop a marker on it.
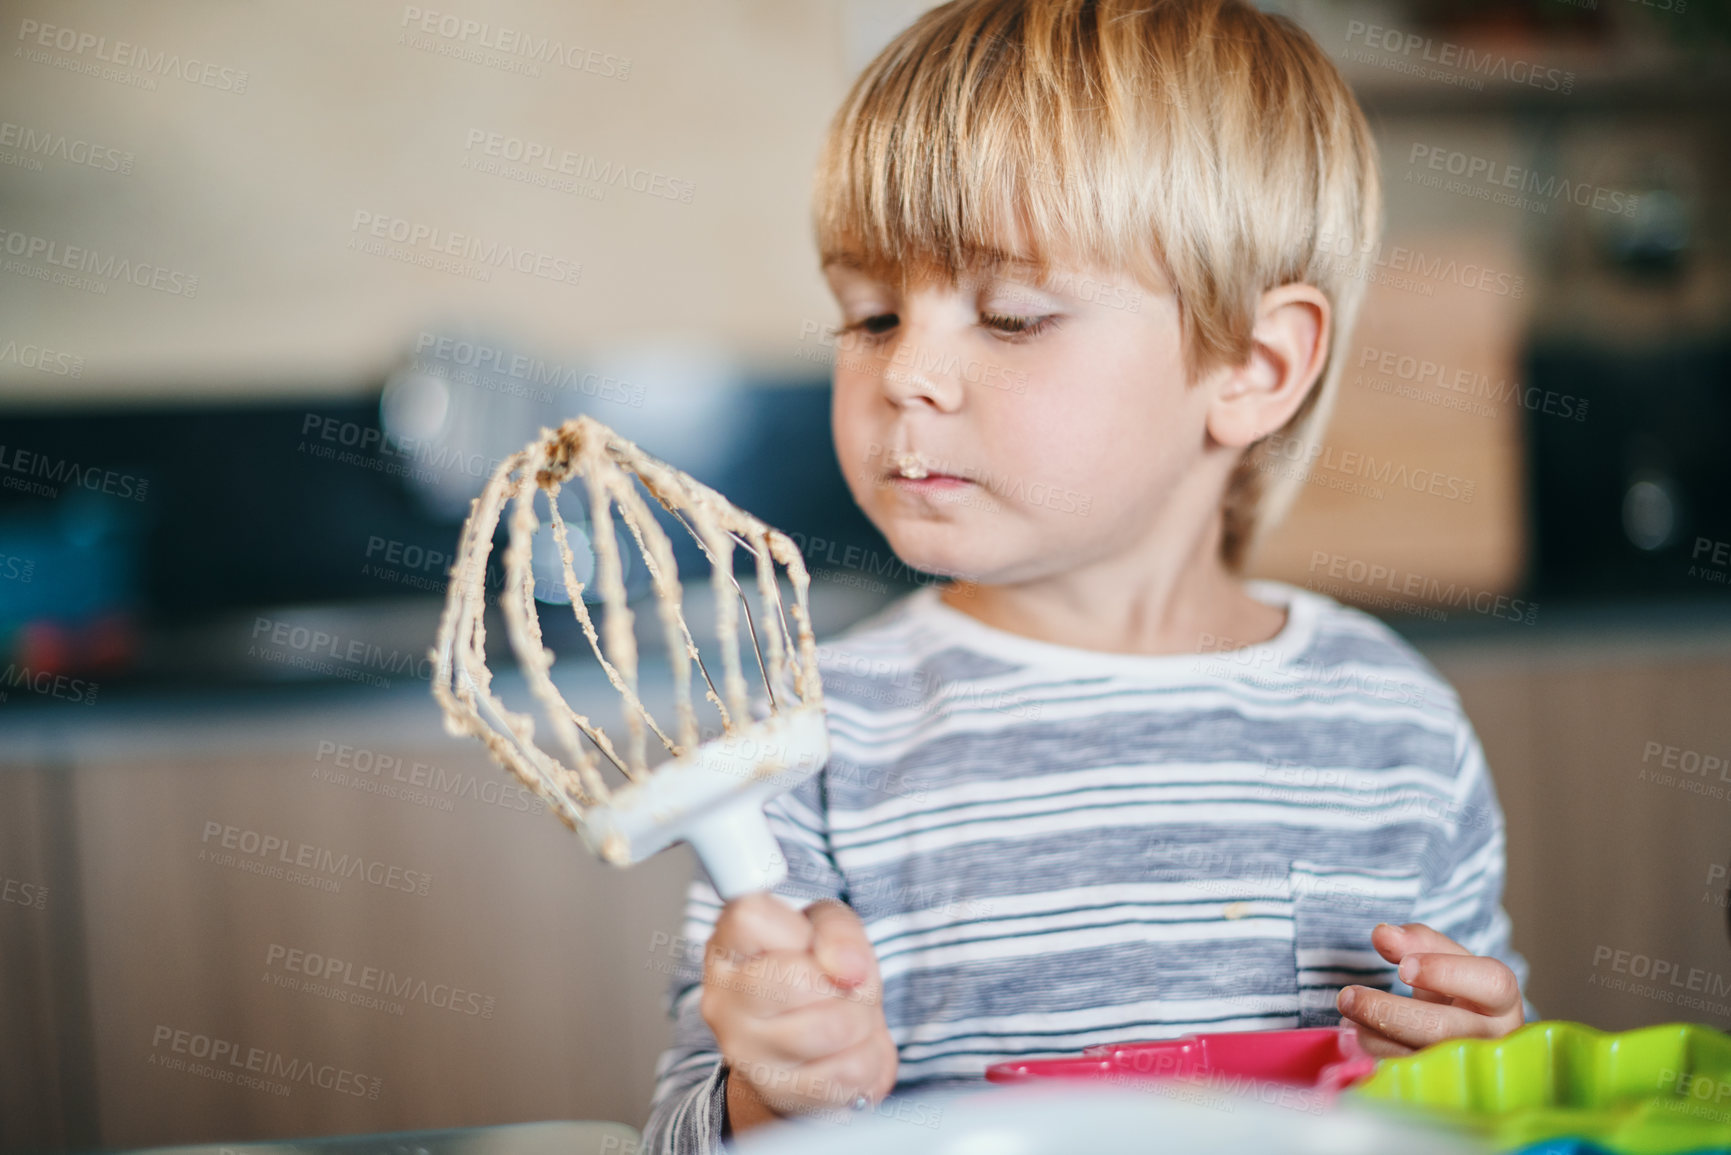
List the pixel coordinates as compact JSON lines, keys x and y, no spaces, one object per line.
{"x":1395,"y":942}
{"x":770,"y":984}
{"x":1409,"y":1021}
{"x":811,"y":1033}
{"x":839,"y":941}
{"x":1485,"y":983}
{"x":754,"y":923}
{"x":1379,"y":1045}
{"x":867,"y":1068}
{"x":784,"y":1088}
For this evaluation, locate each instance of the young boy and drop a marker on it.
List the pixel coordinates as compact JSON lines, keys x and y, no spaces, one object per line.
{"x":1101,"y":788}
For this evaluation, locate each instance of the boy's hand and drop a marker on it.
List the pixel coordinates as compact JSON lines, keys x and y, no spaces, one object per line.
{"x":794,"y":1000}
{"x":1456,"y":994}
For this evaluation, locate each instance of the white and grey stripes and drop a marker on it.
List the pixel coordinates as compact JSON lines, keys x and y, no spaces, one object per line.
{"x":1052,"y":848}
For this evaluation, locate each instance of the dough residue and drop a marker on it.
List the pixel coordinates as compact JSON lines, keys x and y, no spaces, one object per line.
{"x":611,"y":469}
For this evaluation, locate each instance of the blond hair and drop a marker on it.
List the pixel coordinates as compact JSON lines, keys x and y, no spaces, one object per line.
{"x":1199,"y":145}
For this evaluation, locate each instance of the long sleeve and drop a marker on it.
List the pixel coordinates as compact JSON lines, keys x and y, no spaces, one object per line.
{"x":688,"y":1112}
{"x":1463,"y":881}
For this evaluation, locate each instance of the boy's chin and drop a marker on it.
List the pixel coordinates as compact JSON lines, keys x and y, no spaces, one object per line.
{"x":943,"y":551}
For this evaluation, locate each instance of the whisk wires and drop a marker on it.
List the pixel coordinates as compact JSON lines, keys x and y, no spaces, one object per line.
{"x":611,"y":468}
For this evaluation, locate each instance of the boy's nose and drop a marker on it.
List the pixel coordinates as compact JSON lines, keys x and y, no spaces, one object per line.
{"x":908,"y":381}
{"x":907,"y":387}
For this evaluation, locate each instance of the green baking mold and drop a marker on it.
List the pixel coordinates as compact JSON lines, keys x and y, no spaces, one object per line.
{"x":1653,"y":1091}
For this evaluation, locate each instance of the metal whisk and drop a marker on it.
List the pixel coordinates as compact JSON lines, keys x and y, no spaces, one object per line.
{"x":709,"y":794}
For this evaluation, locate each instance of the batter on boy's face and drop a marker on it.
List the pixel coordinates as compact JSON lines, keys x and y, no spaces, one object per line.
{"x":1052,"y":424}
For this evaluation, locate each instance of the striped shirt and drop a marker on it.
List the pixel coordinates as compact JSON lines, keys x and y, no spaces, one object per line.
{"x":1052,"y":848}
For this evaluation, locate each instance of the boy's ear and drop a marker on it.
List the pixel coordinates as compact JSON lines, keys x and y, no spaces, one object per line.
{"x":1289,"y":344}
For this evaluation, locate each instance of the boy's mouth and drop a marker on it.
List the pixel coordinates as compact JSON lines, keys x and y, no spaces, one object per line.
{"x":919,"y":472}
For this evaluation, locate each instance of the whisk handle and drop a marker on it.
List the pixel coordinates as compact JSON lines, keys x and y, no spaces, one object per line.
{"x":738,"y":850}
{"x":713,"y":798}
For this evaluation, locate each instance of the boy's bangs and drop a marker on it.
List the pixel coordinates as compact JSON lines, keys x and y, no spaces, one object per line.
{"x":933,"y":170}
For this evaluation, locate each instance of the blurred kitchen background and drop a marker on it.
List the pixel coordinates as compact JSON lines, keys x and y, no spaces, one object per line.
{"x":246,"y":393}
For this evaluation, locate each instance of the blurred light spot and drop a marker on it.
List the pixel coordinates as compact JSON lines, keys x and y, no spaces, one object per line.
{"x":545,"y":564}
{"x":1649,"y":514}
{"x":414,"y":407}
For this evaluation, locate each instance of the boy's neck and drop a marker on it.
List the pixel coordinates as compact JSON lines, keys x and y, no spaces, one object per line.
{"x":1123,"y":608}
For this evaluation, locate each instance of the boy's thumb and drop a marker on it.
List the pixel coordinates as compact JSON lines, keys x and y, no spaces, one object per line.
{"x":759,"y":922}
{"x":839,"y":943}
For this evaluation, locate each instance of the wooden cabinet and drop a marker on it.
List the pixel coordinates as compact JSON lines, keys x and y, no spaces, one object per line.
{"x":338,"y":901}
{"x":1617,"y":853}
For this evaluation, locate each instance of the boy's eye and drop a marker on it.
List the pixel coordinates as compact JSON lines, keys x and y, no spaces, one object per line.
{"x":875,"y":326}
{"x":1020,"y":326}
